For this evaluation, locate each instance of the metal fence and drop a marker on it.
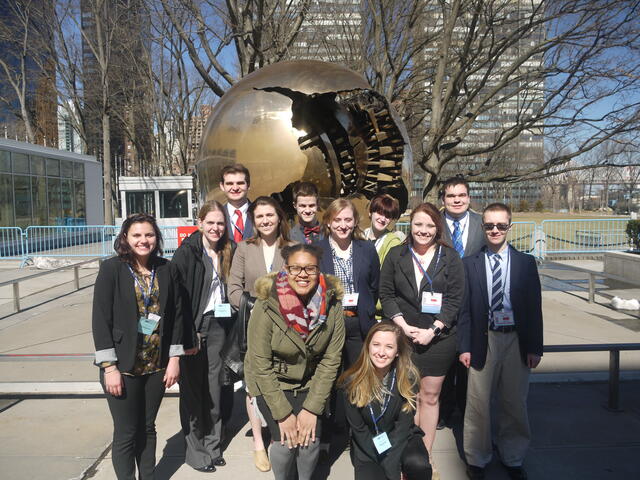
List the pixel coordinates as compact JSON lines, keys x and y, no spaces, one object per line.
{"x":550,"y":237}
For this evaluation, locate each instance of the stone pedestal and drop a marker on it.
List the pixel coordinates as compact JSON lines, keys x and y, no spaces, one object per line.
{"x":623,"y":264}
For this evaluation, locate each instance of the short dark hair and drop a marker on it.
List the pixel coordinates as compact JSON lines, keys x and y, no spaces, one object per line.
{"x":236,"y":168}
{"x":497,"y":207}
{"x":289,"y":250}
{"x":121,"y":246}
{"x":304,"y":189}
{"x":385,"y":204}
{"x":452,"y":182}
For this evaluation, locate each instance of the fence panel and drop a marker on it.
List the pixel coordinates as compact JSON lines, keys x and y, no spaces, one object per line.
{"x":169,"y":240}
{"x":69,"y":241}
{"x":11,"y":243}
{"x":582,"y":236}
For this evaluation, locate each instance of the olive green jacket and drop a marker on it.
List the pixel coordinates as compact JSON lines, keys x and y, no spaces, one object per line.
{"x":279,"y":359}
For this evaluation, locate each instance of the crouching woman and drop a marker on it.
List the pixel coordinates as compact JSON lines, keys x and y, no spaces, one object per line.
{"x":379,"y":392}
{"x":296,"y":335}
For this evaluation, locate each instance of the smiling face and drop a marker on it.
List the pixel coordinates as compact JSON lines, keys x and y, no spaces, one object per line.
{"x":383,"y":350}
{"x":423,"y":230}
{"x":212,"y":227}
{"x":142,"y":239}
{"x":303,"y":283}
{"x":306,"y":208}
{"x":379,"y":222}
{"x":266,"y":220}
{"x":456,"y":200}
{"x":496,"y":238}
{"x":235,"y":187}
{"x":342,"y":225}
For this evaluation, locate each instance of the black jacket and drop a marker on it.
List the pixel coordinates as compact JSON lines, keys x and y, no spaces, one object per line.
{"x":115,"y":312}
{"x":398,"y":292}
{"x":397,"y":424}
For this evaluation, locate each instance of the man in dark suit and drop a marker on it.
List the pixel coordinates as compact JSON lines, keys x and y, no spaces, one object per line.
{"x":500,"y":340}
{"x":464,"y":232}
{"x":235,"y":181}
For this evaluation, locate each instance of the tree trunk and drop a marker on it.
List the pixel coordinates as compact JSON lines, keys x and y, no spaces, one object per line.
{"x":106,"y":169}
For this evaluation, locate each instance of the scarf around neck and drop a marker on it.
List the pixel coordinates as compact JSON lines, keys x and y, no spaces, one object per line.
{"x":302,"y":318}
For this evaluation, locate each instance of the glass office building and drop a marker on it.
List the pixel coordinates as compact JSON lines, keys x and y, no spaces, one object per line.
{"x":46,"y":186}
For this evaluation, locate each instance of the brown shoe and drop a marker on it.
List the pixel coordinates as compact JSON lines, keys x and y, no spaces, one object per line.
{"x":261,"y":460}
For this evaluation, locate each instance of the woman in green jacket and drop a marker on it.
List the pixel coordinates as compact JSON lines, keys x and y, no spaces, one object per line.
{"x":296,"y":335}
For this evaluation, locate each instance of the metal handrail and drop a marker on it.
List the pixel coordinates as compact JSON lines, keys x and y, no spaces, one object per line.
{"x":614,"y":349}
{"x":76,"y":279}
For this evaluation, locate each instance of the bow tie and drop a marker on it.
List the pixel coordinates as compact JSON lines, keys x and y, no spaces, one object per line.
{"x":310,"y":230}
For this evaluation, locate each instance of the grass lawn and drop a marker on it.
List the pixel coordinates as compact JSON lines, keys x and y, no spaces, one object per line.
{"x":539,"y":217}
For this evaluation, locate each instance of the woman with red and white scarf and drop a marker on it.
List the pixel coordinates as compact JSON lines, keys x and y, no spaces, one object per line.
{"x":296,"y":335}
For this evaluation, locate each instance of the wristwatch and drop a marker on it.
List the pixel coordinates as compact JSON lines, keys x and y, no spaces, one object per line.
{"x":437,"y":331}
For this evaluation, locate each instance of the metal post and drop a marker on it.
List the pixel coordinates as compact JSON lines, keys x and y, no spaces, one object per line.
{"x":76,"y":277}
{"x":16,"y":297}
{"x":614,"y":380}
{"x":592,"y":287}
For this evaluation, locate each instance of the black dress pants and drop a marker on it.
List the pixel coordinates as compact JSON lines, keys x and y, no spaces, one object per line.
{"x":415,"y":464}
{"x":134,"y":425}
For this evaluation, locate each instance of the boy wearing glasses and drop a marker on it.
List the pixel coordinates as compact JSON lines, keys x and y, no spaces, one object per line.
{"x":500,"y":337}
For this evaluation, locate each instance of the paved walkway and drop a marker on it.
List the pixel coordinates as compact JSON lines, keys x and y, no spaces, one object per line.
{"x":67,"y":436}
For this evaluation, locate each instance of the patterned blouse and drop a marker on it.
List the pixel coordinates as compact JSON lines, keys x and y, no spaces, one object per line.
{"x":148,"y":347}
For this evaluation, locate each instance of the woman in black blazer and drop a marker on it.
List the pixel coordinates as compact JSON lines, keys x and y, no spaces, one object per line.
{"x":421,"y":290}
{"x":137,"y":331}
{"x":355,"y":262}
{"x":379,"y":392}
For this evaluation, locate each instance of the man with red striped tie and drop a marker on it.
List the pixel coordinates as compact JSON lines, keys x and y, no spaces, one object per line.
{"x":235,"y":181}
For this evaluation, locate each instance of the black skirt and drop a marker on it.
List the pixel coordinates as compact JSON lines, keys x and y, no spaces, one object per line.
{"x":434,"y":360}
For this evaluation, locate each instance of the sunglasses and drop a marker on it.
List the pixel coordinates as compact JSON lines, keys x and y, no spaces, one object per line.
{"x":503,"y":227}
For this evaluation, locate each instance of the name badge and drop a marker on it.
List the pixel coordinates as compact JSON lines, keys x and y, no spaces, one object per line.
{"x":382,"y":443}
{"x":431,"y":302}
{"x":503,"y":319}
{"x":222,"y":310}
{"x":147,"y":325}
{"x":350,"y":300}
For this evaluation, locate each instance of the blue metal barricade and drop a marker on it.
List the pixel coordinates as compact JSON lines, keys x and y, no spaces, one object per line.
{"x":11,"y":243}
{"x":583,"y":236}
{"x":69,"y":241}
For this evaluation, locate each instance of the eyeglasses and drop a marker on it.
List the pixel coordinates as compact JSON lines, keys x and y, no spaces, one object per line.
{"x":503,"y":227}
{"x":297,"y":269}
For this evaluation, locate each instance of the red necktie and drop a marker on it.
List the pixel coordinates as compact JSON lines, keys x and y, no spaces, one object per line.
{"x":239,"y":230}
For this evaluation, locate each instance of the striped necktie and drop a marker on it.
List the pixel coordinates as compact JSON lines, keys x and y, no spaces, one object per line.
{"x":497,"y":289}
{"x":457,"y":238}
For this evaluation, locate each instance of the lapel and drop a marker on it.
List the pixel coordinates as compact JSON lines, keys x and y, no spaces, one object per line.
{"x":163,"y":286}
{"x":447,"y":232}
{"x":356,"y":260}
{"x":248,"y":226}
{"x":475,"y":231}
{"x":406,"y":267}
{"x":129,"y":303}
{"x":515,"y":271}
{"x":327,"y":259}
{"x":481,"y":272}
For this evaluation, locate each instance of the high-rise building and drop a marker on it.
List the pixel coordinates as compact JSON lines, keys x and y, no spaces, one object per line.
{"x":520,"y":99}
{"x":30,"y":62}
{"x":68,"y":137}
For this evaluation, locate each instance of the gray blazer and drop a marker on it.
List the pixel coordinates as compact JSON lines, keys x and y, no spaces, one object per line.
{"x":248,"y":266}
{"x":475,"y":238}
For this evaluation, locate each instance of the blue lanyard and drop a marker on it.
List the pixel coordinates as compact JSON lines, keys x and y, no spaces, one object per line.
{"x":385,"y":403}
{"x":146,"y":297}
{"x":424,"y":272}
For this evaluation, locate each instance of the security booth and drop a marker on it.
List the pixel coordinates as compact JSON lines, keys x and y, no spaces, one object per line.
{"x":169,"y":199}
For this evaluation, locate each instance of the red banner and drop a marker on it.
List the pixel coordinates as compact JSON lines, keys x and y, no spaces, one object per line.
{"x":184,"y":232}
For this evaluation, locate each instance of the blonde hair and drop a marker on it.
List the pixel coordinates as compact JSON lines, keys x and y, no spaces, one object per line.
{"x":334,"y":209}
{"x":223,"y":247}
{"x":361,"y":383}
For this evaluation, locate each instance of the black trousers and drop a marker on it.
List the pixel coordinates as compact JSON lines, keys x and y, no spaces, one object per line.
{"x":454,"y":391}
{"x":415,"y":464}
{"x":353,"y":341}
{"x":200,"y":398}
{"x":134,"y":425}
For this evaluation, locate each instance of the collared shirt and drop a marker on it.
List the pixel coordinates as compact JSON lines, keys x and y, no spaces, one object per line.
{"x":343,"y":265}
{"x":464,"y":226}
{"x":216,"y":286}
{"x":505,"y":269}
{"x":231,"y":211}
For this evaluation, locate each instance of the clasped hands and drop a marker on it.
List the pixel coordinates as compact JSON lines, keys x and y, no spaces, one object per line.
{"x":422,"y":336}
{"x":298,"y":430}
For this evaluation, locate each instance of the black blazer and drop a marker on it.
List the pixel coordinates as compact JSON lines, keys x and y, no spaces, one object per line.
{"x":366,"y":276}
{"x":115,"y":311}
{"x":399,"y":294}
{"x":475,"y":237}
{"x":526,"y":300}
{"x":398,"y":425}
